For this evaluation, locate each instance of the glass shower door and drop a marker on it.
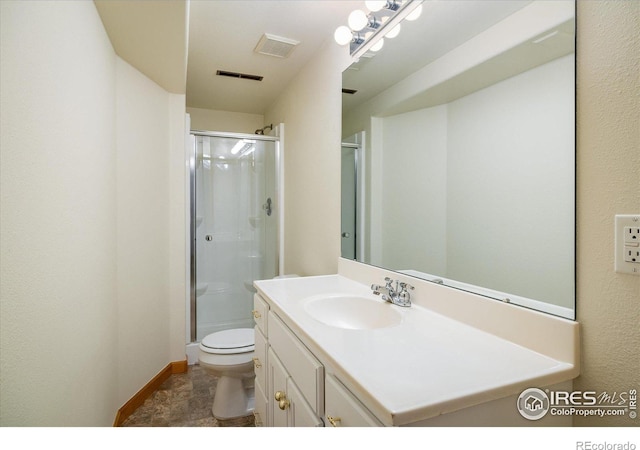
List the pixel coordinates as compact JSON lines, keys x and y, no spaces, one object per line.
{"x":234,"y":226}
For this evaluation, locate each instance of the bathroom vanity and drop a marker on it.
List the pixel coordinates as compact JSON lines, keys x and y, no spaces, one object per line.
{"x":331,"y":353}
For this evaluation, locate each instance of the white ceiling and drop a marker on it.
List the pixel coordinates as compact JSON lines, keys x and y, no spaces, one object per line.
{"x":151,"y":36}
{"x":223,"y":35}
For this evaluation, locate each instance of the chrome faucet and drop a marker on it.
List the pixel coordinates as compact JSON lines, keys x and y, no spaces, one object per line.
{"x":395,"y":292}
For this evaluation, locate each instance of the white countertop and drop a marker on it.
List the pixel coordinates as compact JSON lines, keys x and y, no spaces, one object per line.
{"x":427,"y":365}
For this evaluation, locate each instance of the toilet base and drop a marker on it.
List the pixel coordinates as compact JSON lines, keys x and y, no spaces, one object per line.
{"x":232,"y":399}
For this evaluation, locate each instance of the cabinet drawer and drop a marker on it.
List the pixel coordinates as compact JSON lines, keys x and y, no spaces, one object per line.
{"x":260,"y":310}
{"x":306,"y":371}
{"x":343,"y":409}
{"x":261,"y":406}
{"x":260,"y":358}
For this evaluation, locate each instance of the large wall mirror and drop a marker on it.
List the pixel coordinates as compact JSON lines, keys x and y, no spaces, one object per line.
{"x":459,"y":151}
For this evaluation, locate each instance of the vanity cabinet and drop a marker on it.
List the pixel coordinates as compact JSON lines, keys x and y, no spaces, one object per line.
{"x":332,"y":361}
{"x":289,"y":382}
{"x":291,"y":389}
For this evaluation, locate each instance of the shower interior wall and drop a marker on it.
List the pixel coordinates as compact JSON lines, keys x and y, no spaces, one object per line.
{"x":235,"y":239}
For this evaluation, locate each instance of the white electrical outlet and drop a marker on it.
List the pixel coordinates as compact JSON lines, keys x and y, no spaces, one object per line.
{"x":632,"y":254}
{"x":631,"y":235}
{"x":627,"y":243}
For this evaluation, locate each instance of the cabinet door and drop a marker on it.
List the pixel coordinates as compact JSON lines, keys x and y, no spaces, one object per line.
{"x":301,"y":364}
{"x":300,"y":413}
{"x":343,"y":409}
{"x":287,"y":406}
{"x":277,"y":379}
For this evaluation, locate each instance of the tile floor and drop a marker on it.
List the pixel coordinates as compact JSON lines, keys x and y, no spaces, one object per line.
{"x":184,"y":400}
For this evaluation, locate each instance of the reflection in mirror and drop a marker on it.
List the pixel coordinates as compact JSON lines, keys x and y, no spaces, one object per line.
{"x":466,"y":127}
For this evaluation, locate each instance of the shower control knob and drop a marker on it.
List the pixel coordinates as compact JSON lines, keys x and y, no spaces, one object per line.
{"x":208,"y":237}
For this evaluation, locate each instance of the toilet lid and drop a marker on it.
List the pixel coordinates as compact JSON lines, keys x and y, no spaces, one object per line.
{"x":238,"y":340}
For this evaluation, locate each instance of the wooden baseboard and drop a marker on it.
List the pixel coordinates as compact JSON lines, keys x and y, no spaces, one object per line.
{"x":148,"y":389}
{"x":179,"y":366}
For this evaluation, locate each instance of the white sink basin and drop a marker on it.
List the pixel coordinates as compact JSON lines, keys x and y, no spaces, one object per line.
{"x":352,"y":312}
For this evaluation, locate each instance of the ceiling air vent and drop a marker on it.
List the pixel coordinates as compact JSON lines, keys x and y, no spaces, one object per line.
{"x":245,"y":76}
{"x":275,"y":46}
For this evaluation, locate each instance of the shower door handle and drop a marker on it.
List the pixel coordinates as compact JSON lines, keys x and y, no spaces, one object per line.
{"x":208,"y":237}
{"x":267,"y":206}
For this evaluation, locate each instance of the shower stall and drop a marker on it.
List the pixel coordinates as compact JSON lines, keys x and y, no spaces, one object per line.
{"x":234,"y":227}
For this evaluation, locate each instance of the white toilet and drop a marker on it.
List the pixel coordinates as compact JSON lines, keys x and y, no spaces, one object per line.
{"x":229,"y":355}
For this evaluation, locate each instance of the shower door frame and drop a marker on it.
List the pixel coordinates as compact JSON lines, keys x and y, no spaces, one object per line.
{"x":277,"y":140}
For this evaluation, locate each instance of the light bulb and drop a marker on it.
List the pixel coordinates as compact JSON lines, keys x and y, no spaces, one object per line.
{"x":393,"y":32}
{"x":413,"y":15}
{"x":357,"y":20}
{"x":343,"y":35}
{"x":374,"y":6}
{"x":377,"y":46}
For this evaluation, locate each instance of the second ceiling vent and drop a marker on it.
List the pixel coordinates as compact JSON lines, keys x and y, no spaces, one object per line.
{"x":275,"y":46}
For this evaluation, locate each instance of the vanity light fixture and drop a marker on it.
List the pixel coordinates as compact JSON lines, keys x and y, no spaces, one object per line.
{"x":393,"y":32}
{"x":375,"y":6}
{"x":380,"y":18}
{"x":358,"y":20}
{"x":413,"y":15}
{"x":377,"y":46}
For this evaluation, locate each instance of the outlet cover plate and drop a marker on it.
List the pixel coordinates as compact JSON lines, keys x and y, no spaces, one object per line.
{"x":622,"y":245}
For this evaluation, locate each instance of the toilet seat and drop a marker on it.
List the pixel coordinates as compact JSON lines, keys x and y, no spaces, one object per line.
{"x":238,"y":340}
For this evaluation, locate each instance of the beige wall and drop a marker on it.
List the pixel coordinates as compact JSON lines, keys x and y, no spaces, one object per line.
{"x":608,"y":168}
{"x":58,"y":274}
{"x":143,"y":137}
{"x":224,"y":121}
{"x":89,"y":309}
{"x":311,"y":110}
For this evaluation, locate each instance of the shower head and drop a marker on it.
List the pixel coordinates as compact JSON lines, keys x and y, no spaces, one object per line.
{"x":261,"y":130}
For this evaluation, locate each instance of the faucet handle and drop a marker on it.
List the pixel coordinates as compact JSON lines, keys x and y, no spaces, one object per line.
{"x":405,"y":286}
{"x":389,"y":282}
{"x":404,"y":297}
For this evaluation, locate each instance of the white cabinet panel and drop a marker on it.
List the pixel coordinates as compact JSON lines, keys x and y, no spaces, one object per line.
{"x":260,"y":358}
{"x":300,"y":413}
{"x":343,"y":408}
{"x":278,"y":386}
{"x":260,"y":310}
{"x":305,"y":368}
{"x":261,"y":412}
